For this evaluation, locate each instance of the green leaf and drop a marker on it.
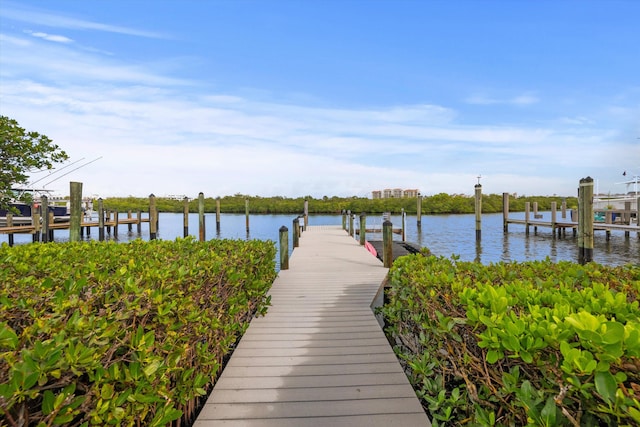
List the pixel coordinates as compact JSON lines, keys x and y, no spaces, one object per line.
{"x":493,"y":356}
{"x":606,"y":385}
{"x":8,"y":338}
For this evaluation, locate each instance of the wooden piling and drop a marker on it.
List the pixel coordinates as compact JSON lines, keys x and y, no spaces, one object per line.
{"x":478,"y":210}
{"x":129,"y":217}
{"x":352,"y":232}
{"x":554,"y":209}
{"x":363,"y":228}
{"x":505,"y":212}
{"x":35,"y":220}
{"x":564,"y":208}
{"x":153,"y":213}
{"x":116,"y":223}
{"x":44,"y":204}
{"x":296,"y":232}
{"x":246,"y":213}
{"x":76,"y":211}
{"x":627,"y":217}
{"x":404,"y":225}
{"x":201,"y":223}
{"x":387,"y":243}
{"x":419,"y":211}
{"x":139,"y":223}
{"x":344,"y":219}
{"x":608,"y":219}
{"x":185,"y":217}
{"x":535,"y":216}
{"x":585,"y":221}
{"x":51,"y":221}
{"x":284,"y":248}
{"x":218,"y":214}
{"x":306,"y":214}
{"x":527,"y":216}
{"x":100,"y":219}
{"x":10,"y":224}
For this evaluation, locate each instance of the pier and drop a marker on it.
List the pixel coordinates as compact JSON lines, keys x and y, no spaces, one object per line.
{"x":319,"y":356}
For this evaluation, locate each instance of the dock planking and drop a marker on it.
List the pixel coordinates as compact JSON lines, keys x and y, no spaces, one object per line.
{"x":319,"y":356}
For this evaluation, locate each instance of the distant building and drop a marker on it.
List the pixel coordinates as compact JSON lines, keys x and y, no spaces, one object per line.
{"x":394,"y":193}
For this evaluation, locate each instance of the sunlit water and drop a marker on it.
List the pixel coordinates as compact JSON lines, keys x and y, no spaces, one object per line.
{"x":443,"y":234}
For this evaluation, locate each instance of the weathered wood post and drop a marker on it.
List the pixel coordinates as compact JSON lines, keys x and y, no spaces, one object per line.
{"x":638,"y":215}
{"x":284,"y":248}
{"x":246,"y":212}
{"x":306,"y":214}
{"x":296,"y":232}
{"x":44,"y":204}
{"x":201,"y":224}
{"x":419,"y":211}
{"x":35,"y":221}
{"x":129,"y":224}
{"x":554,"y":208}
{"x":363,"y":228}
{"x":10,"y":224}
{"x":344,"y":220}
{"x":116,"y":223}
{"x":535,"y":215}
{"x":608,"y":219}
{"x":153,"y":222}
{"x":218,"y":214}
{"x":404,"y":225}
{"x":527,"y":216}
{"x":585,"y":221}
{"x":100,"y":219}
{"x":387,"y":243}
{"x":51,"y":221}
{"x":185,"y":217}
{"x":505,"y":212}
{"x":351,"y":230}
{"x":139,"y":223}
{"x":75,"y":191}
{"x":627,"y":216}
{"x":564,"y":208}
{"x":478,"y":210}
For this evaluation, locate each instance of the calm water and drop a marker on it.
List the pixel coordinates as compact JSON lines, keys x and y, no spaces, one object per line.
{"x":442,"y":234}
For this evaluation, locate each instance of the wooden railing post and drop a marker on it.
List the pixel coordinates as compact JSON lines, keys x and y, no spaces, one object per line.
{"x":306,"y":214}
{"x":344,"y":220}
{"x":351,"y":230}
{"x":505,"y":212}
{"x":284,"y":248}
{"x":201,"y":223}
{"x":387,"y":243}
{"x":363,"y":228}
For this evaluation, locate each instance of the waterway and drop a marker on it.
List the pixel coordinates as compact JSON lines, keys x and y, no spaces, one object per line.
{"x":444,"y":235}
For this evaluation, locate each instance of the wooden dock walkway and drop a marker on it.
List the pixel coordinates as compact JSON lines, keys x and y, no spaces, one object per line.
{"x":319,"y":356}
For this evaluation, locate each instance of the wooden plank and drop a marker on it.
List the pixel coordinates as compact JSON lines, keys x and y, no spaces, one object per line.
{"x":319,"y":356}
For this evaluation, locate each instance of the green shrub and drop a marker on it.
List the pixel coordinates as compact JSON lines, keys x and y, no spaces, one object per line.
{"x":533,"y":343}
{"x":99,"y":333}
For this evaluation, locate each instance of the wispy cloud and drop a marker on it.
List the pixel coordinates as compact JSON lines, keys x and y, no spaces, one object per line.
{"x":30,"y":15}
{"x":519,"y":100}
{"x":50,"y":37}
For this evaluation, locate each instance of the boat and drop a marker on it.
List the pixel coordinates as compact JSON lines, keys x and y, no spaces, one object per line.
{"x":22,"y":212}
{"x":619,"y":203}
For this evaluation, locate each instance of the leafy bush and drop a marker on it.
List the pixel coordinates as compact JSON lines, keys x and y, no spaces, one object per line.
{"x":99,"y":333}
{"x":533,"y":343}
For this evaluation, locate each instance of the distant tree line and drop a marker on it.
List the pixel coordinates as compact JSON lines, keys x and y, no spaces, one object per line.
{"x":437,"y":204}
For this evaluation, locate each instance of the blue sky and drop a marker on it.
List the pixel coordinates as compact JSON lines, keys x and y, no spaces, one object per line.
{"x":328,"y":97}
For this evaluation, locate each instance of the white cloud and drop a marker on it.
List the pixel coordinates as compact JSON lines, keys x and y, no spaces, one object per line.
{"x":519,"y":100}
{"x":51,"y":37}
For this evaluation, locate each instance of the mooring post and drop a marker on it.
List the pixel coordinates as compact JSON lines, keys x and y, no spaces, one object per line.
{"x":351,"y":230}
{"x":505,"y":212}
{"x":100,"y":219}
{"x":129,"y":225}
{"x":218,"y":214}
{"x":527,"y":216}
{"x":51,"y":221}
{"x":139,"y":223}
{"x":387,"y":243}
{"x":201,"y":224}
{"x":44,"y":203}
{"x":75,"y":191}
{"x":363,"y":228}
{"x":246,"y":212}
{"x":296,"y":232}
{"x":585,"y":221}
{"x":116,"y":223}
{"x":627,"y":217}
{"x":564,"y":208}
{"x":404,"y":225}
{"x":608,"y":219}
{"x":344,"y":220}
{"x":419,"y":211}
{"x":478,"y":209}
{"x":185,"y":217}
{"x":10,"y":224}
{"x":554,"y":208}
{"x":284,"y":248}
{"x":35,"y":220}
{"x":153,"y":213}
{"x":306,"y":214}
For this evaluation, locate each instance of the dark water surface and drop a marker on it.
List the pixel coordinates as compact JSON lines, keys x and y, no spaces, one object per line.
{"x":443,"y":234}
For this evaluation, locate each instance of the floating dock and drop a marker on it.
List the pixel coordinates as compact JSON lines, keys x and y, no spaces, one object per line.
{"x":319,"y":357}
